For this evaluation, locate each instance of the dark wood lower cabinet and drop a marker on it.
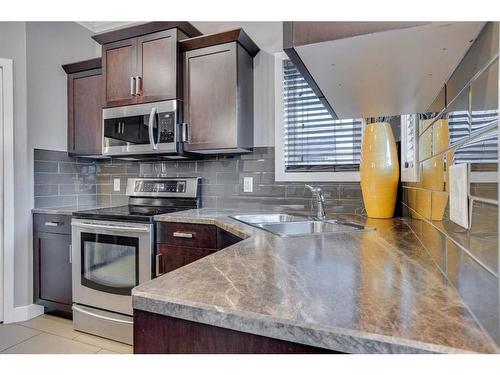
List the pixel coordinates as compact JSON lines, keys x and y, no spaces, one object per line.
{"x":172,"y":257}
{"x":52,"y":272}
{"x":178,"y":244}
{"x":159,"y":334}
{"x":52,"y":263}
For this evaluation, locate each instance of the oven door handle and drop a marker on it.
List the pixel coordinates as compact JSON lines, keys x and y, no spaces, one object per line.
{"x":152,"y":117}
{"x":100,"y":316}
{"x":112,"y":227}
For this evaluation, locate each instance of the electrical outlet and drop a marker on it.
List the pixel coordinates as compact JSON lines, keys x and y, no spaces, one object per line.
{"x":116,"y":184}
{"x":247,"y":184}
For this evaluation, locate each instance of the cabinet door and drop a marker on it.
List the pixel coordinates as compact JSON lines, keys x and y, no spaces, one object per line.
{"x":85,"y":102}
{"x":157,"y":66}
{"x":172,"y":257}
{"x":52,"y":267}
{"x":119,"y":63}
{"x":210,"y":91}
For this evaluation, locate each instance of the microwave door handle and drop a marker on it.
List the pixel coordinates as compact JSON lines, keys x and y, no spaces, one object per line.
{"x":158,"y":132}
{"x":150,"y":126}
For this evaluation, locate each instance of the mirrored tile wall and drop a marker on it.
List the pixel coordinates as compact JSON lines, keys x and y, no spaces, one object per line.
{"x":461,"y":127}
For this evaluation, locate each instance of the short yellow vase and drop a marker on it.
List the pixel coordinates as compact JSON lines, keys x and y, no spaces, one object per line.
{"x":379,"y":170}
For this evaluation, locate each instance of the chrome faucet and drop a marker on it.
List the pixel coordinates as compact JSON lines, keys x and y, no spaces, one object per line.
{"x":320,"y":200}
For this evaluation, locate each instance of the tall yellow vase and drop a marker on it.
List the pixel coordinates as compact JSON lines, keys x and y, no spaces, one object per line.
{"x":379,"y":170}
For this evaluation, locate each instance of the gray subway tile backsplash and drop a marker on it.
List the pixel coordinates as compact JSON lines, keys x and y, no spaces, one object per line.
{"x":46,"y":190}
{"x":57,"y":175}
{"x":56,"y":201}
{"x":62,"y":181}
{"x":47,"y":166}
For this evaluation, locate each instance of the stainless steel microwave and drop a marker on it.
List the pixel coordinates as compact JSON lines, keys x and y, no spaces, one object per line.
{"x":142,"y":129}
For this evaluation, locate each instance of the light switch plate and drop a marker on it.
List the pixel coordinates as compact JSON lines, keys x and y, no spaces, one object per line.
{"x":116,"y":184}
{"x":459,"y":201}
{"x":247,"y":184}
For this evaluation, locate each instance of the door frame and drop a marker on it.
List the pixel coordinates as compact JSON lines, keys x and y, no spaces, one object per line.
{"x":7,"y":190}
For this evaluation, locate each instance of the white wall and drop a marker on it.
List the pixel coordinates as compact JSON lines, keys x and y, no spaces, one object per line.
{"x":13,"y":46}
{"x":48,"y":46}
{"x":40,"y":118}
{"x":264,"y":103}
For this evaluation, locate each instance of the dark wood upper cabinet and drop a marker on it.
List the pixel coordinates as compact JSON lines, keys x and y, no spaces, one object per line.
{"x":211,"y":117}
{"x":85,"y":102}
{"x":218,"y":92}
{"x":144,"y":29}
{"x":119,"y":62}
{"x":141,"y":63}
{"x":158,"y":66}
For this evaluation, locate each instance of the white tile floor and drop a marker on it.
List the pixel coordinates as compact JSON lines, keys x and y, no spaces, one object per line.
{"x":48,"y":334}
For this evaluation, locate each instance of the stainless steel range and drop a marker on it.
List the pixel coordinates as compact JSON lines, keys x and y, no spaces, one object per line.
{"x":113,"y":251}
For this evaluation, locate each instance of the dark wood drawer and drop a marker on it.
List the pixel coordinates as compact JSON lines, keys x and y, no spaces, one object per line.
{"x":173,"y":257}
{"x":184,"y":234}
{"x":52,"y":223}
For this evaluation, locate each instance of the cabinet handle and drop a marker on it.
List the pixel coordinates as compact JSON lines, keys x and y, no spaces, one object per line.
{"x":138,"y":86}
{"x":70,"y":254}
{"x":184,"y":134}
{"x":132,"y":86}
{"x":183,"y":235}
{"x":158,"y":265}
{"x":52,"y":223}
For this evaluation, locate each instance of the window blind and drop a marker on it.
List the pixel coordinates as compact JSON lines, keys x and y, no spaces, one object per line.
{"x":482,"y":150}
{"x":410,"y":129}
{"x":313,"y":140}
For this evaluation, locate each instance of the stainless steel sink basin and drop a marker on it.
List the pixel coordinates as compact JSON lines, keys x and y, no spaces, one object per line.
{"x":285,"y":225}
{"x":310,"y":227}
{"x":268,"y":218}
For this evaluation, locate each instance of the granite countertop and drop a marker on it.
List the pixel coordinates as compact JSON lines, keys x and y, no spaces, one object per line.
{"x":365,"y":292}
{"x":69,"y":210}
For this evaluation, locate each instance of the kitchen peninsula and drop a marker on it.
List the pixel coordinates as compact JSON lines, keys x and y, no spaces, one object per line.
{"x":375,"y":291}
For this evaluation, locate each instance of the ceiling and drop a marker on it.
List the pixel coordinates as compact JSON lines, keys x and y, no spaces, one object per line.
{"x":267,"y":35}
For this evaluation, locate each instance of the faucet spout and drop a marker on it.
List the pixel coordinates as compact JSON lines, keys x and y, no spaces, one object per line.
{"x":320,"y":200}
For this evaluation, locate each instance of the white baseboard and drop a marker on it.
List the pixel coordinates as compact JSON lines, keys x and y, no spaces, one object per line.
{"x":22,"y":313}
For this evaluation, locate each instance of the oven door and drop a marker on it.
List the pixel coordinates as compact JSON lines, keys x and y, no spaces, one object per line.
{"x":148,"y":128}
{"x":109,"y":259}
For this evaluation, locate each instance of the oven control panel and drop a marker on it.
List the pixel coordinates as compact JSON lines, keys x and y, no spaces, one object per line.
{"x":164,"y":187}
{"x":151,"y":186}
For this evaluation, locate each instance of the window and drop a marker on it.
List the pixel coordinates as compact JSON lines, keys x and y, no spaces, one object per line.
{"x":310,"y":144}
{"x":409,"y":146}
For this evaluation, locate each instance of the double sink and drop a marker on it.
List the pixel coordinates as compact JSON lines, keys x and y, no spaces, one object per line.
{"x":285,"y":225}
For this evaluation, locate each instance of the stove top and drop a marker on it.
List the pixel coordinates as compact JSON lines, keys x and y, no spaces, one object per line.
{"x":127,"y":213}
{"x":149,"y":197}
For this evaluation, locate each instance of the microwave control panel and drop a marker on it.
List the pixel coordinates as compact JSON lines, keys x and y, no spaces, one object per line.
{"x":166,"y":125}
